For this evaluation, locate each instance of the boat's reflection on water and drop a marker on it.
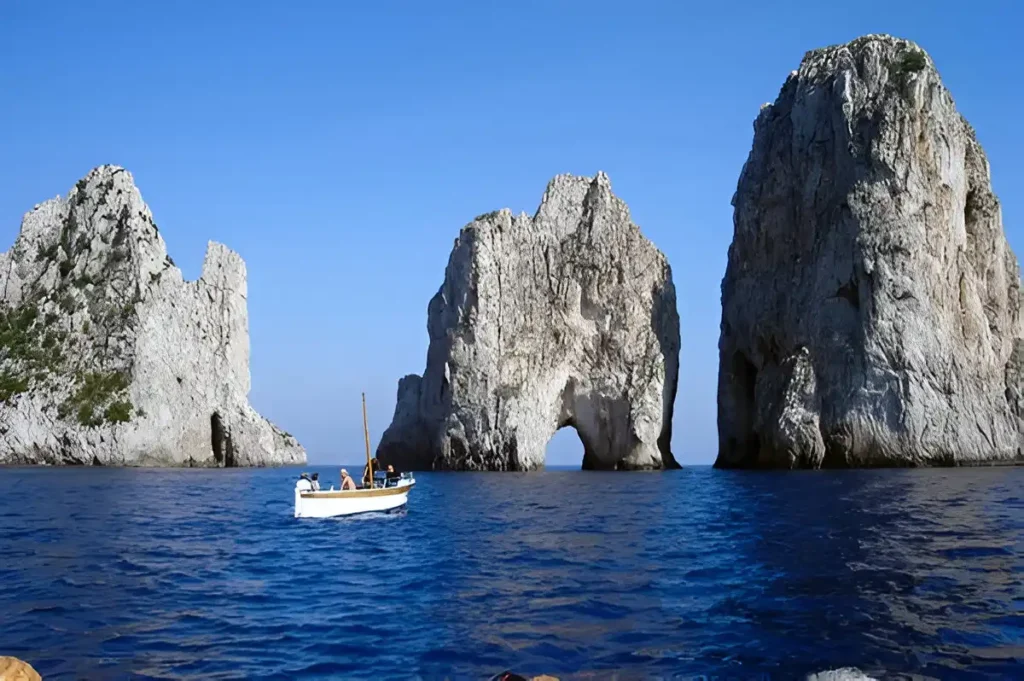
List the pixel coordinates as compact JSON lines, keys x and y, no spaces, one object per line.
{"x":393,"y":514}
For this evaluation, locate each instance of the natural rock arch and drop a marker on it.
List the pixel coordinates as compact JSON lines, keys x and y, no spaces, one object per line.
{"x":564,"y":449}
{"x":564,"y":318}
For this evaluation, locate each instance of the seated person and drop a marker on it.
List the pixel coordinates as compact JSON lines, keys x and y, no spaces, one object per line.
{"x":304,"y":484}
{"x":393,"y":476}
{"x":315,"y":482}
{"x":346,"y":480}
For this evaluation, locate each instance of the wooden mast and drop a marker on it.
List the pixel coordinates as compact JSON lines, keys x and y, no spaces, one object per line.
{"x":366,"y":435}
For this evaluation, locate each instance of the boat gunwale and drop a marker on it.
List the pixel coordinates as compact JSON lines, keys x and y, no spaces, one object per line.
{"x":357,"y":493}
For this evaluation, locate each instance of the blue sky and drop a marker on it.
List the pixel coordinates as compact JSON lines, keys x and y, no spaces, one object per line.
{"x":340,"y":146}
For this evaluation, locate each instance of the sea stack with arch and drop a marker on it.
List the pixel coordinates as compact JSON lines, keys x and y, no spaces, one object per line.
{"x":871,"y":305}
{"x":108,"y":357}
{"x":565,"y":318}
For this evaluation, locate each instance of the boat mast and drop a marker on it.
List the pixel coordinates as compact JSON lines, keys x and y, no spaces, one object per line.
{"x":366,"y":435}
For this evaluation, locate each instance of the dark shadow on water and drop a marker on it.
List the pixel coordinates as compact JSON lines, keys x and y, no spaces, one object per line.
{"x":855,"y":568}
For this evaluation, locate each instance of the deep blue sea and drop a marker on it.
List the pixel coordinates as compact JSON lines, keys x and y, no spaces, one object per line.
{"x":905,"y":574}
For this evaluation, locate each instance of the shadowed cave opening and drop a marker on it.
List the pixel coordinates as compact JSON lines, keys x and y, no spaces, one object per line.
{"x":744,"y":442}
{"x":220,"y":442}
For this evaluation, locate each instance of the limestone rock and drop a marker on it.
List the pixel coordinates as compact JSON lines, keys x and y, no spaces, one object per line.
{"x":13,"y":669}
{"x":108,"y":357}
{"x":871,"y":304}
{"x":566,"y":318}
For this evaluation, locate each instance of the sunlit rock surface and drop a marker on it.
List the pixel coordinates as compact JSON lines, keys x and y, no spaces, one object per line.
{"x":13,"y":669}
{"x":108,"y":357}
{"x":566,"y":318}
{"x":871,"y":305}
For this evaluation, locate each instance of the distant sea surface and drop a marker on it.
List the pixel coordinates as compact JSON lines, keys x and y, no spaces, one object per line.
{"x":904,"y":574}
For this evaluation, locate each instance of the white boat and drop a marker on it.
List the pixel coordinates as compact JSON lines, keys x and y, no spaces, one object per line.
{"x":384,"y":494}
{"x":333,"y":503}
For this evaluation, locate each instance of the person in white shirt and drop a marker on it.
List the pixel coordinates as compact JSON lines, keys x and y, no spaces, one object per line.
{"x":304,"y":484}
{"x":346,"y":480}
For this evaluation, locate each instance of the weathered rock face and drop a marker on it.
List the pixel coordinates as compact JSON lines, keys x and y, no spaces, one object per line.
{"x":567,"y":318}
{"x":108,"y":357}
{"x":871,"y":305}
{"x":13,"y":669}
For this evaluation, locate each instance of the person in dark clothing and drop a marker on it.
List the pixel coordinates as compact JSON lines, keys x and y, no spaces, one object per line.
{"x":367,"y":474}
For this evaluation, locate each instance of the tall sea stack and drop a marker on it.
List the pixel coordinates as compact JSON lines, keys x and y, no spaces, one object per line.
{"x":871,"y":304}
{"x":108,"y":357}
{"x":567,"y":318}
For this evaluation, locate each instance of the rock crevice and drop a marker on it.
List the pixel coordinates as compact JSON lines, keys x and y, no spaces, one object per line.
{"x":108,"y":357}
{"x":566,"y":318}
{"x":871,"y":303}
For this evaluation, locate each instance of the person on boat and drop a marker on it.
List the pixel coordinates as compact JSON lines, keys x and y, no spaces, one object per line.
{"x":368,"y":473}
{"x":315,"y":482}
{"x":346,"y":480}
{"x":304,"y":484}
{"x":393,"y":476}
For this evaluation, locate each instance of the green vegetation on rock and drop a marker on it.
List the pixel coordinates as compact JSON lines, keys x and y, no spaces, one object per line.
{"x":909,"y":62}
{"x":47,"y":253}
{"x":486,"y":216}
{"x":11,"y":385}
{"x":27,"y":350}
{"x":119,"y":411}
{"x":93,"y":401}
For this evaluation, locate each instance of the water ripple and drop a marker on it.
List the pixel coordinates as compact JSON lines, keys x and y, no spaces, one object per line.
{"x":109,"y":573}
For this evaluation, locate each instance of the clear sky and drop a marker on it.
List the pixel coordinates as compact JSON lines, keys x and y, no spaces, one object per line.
{"x":340,"y":146}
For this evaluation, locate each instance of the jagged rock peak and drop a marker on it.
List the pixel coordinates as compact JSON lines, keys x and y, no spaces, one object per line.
{"x":567,"y":318}
{"x":871,"y":303}
{"x":107,"y":356}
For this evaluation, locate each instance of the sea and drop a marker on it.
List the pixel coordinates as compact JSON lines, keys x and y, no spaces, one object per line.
{"x":112,"y":573}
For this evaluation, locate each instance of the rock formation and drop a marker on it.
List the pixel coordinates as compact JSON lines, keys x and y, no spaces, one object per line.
{"x":842,"y":674}
{"x":13,"y":669}
{"x":108,"y":357}
{"x":567,"y":318}
{"x":871,"y":305}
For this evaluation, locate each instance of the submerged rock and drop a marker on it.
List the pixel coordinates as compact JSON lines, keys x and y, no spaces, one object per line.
{"x":567,"y":318}
{"x":108,"y":357}
{"x":871,"y":305}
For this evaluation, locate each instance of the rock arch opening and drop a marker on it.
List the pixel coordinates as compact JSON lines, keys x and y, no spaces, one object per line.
{"x":564,"y":449}
{"x":220,"y":442}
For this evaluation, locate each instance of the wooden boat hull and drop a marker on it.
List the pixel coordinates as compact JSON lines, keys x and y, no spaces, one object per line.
{"x":335,"y":503}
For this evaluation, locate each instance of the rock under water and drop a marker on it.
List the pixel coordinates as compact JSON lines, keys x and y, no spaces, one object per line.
{"x":871,"y":304}
{"x":566,"y":318}
{"x":107,"y":356}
